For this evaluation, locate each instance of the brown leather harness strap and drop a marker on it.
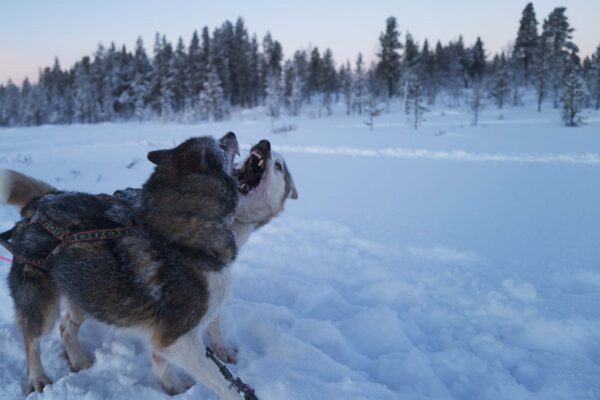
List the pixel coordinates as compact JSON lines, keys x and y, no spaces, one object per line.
{"x":65,"y":237}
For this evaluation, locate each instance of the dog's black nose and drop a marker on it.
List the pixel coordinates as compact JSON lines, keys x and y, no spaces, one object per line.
{"x":264,"y":145}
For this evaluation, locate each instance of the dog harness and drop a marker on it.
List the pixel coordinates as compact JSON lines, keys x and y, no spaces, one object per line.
{"x":64,"y":236}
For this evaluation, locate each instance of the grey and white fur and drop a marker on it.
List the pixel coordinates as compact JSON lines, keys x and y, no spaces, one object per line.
{"x":201,"y":244}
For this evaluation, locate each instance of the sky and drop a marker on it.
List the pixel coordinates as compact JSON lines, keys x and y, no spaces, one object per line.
{"x":34,"y":32}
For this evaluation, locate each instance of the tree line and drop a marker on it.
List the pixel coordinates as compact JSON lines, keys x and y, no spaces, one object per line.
{"x":231,"y":69}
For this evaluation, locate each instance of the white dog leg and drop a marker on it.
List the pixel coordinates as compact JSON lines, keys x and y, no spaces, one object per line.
{"x":188,"y":352}
{"x":166,"y":376}
{"x":218,"y":345}
{"x":69,"y":332}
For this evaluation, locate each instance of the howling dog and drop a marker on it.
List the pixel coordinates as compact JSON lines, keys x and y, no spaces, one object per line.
{"x":169,"y":276}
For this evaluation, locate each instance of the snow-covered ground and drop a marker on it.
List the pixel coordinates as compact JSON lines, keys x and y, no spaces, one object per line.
{"x":452,"y":262}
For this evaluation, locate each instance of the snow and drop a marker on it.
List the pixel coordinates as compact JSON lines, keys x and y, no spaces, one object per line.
{"x":452,"y":262}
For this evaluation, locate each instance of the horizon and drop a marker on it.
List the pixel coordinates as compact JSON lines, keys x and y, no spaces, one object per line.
{"x":35,"y":42}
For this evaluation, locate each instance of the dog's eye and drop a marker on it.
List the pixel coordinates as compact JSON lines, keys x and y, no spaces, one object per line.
{"x":278,"y":166}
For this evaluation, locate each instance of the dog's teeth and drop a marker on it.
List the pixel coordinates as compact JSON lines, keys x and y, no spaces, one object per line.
{"x":261,"y":163}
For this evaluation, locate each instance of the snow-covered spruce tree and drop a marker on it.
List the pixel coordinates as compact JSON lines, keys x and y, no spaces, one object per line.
{"x":9,"y":113}
{"x":359,"y":90}
{"x":501,"y":85}
{"x":301,"y":70}
{"x":28,"y":104}
{"x":372,"y":110}
{"x":556,"y":35}
{"x":194,"y":70}
{"x":428,"y":73}
{"x":142,"y":79}
{"x":255,"y":85}
{"x":346,"y":81}
{"x":525,"y":48}
{"x":541,"y":67}
{"x":274,"y":98}
{"x":297,"y":95}
{"x":415,"y":103}
{"x":476,"y":103}
{"x":477,"y":64}
{"x":594,"y":78}
{"x":328,"y":80}
{"x":573,"y":98}
{"x":389,"y":66}
{"x":411,"y":55}
{"x":167,"y":94}
{"x":315,"y":65}
{"x":211,"y":102}
{"x":178,"y":70}
{"x":85,"y":97}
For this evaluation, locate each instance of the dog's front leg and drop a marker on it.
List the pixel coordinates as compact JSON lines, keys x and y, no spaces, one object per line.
{"x":166,"y":376}
{"x":188,"y":353}
{"x":218,"y":346}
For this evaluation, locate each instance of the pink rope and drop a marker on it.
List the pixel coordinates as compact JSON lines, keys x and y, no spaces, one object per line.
{"x":8,"y":260}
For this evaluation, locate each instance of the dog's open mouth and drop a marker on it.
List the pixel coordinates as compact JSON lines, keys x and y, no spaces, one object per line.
{"x":252,"y":170}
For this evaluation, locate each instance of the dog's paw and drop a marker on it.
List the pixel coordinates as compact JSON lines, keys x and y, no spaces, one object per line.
{"x":37,"y":384}
{"x":226,"y":354}
{"x":174,"y":386}
{"x":80,"y":364}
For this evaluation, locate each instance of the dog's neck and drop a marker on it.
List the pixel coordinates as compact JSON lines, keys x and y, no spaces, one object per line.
{"x":242,"y":231}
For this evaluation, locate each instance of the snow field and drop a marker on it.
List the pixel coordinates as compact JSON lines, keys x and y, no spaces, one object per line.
{"x":453,"y":262}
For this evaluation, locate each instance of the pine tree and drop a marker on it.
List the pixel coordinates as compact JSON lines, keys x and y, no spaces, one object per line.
{"x":239,"y":64}
{"x":594,"y":77}
{"x":220,"y":56}
{"x":85,"y":97}
{"x":428,"y":73}
{"x":573,"y":98}
{"x":415,"y":103}
{"x":142,"y":81}
{"x":178,"y":69}
{"x":314,"y":72}
{"x":9,"y":113}
{"x":359,"y":91}
{"x":556,"y":35}
{"x":525,"y":48}
{"x":211,"y":102}
{"x":478,"y":64}
{"x":476,"y":103}
{"x":301,"y":68}
{"x":194,"y":67}
{"x":297,"y":95}
{"x":30,"y":108}
{"x":328,"y":79}
{"x":501,"y":84}
{"x":541,"y":68}
{"x":389,"y":67}
{"x":346,"y":82}
{"x":273,"y":100}
{"x":411,"y":54}
{"x":255,"y":81}
{"x":372,"y":109}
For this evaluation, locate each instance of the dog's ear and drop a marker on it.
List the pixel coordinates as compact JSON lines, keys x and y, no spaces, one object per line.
{"x":291,"y":185}
{"x":157,"y":156}
{"x":294,"y":193}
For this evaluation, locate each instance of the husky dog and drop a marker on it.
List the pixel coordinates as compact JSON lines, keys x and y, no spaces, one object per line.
{"x":166,"y":276}
{"x":264,"y":184}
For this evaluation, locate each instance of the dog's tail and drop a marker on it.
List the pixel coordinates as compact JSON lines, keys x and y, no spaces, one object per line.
{"x":19,"y":189}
